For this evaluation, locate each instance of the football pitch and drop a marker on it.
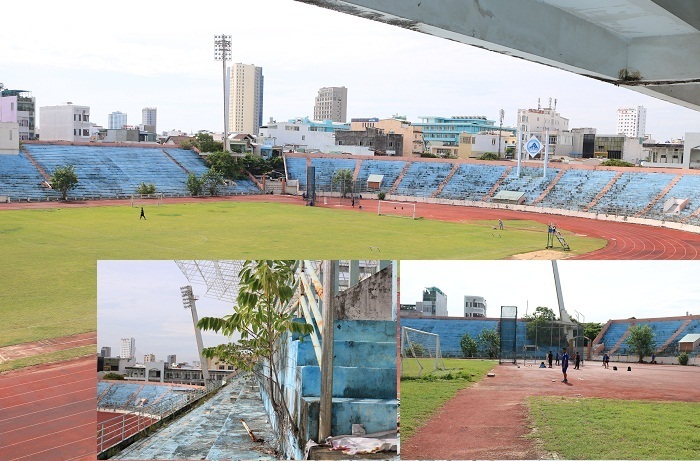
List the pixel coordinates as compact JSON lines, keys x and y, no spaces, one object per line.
{"x":49,"y":255}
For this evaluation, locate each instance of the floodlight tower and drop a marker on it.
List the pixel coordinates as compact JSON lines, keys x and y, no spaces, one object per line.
{"x":222,"y":52}
{"x":188,"y":300}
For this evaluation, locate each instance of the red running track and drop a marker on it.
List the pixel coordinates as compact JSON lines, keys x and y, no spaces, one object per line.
{"x":49,"y":412}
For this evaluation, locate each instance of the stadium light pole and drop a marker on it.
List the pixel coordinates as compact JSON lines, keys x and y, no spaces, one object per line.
{"x":222,"y":52}
{"x":188,"y":300}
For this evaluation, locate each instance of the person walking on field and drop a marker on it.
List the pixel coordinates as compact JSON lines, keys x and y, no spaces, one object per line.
{"x":549,"y":358}
{"x":143,"y":215}
{"x":564,"y":364}
{"x":500,"y":224}
{"x":557,"y":359}
{"x":577,"y":362}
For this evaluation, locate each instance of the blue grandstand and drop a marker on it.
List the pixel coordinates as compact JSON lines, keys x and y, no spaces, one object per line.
{"x":105,"y":172}
{"x":577,"y":188}
{"x":472,"y":182}
{"x":667,"y":332}
{"x":531,"y":182}
{"x":389,"y":169}
{"x":423,"y":178}
{"x":632,"y":193}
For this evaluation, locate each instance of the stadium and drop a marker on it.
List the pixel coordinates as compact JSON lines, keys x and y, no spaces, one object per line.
{"x":501,"y":400}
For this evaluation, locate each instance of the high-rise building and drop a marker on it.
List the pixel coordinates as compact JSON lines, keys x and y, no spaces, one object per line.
{"x":106,"y":352}
{"x":67,"y":122}
{"x":172,"y":359}
{"x":434,"y":302}
{"x":127,"y":348}
{"x":116,"y":120}
{"x":149,"y":358}
{"x":331,"y":104}
{"x":245,"y":98}
{"x":632,"y":121}
{"x":149,"y":117}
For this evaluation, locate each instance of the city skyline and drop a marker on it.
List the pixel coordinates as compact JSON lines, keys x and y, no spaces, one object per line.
{"x":598,"y":290}
{"x":182,"y":79}
{"x":141,"y":299}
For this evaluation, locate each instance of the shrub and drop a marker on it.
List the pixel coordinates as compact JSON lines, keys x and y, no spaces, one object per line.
{"x":417,"y":349}
{"x":683,"y":358}
{"x":113,"y":376}
{"x":381,"y":195}
{"x":616,"y":162}
{"x":488,"y":156}
{"x":146,"y":189}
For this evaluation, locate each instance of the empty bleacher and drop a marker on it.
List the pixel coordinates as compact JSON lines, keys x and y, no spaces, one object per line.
{"x":296,"y":169}
{"x":577,"y":188}
{"x":327,"y":167}
{"x":450,"y":331}
{"x":472,"y":182}
{"x":423,"y":178}
{"x":531,"y":182}
{"x":189,"y":160}
{"x":632,"y":193}
{"x":20,"y":180}
{"x":687,"y":187}
{"x":389,"y":169}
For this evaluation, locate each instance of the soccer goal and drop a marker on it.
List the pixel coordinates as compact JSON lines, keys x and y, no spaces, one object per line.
{"x":138,"y":200}
{"x":402,"y":209}
{"x":420,"y":352}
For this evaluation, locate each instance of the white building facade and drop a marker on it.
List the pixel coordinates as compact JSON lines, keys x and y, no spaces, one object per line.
{"x":67,"y":122}
{"x":632,"y":121}
{"x":474,"y":306}
{"x":9,"y":138}
{"x":331,"y":104}
{"x":127,"y":348}
{"x":540,"y":122}
{"x":245,"y":98}
{"x":434,"y":303}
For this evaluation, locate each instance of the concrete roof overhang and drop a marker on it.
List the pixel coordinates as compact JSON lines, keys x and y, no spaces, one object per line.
{"x":650,"y":46}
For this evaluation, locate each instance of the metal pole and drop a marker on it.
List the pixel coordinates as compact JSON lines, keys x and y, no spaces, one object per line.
{"x":520,"y":142}
{"x":546,"y":152}
{"x":223,"y":62}
{"x":328,"y":314}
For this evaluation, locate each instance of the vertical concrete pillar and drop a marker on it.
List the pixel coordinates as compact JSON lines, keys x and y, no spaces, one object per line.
{"x":326,"y":399}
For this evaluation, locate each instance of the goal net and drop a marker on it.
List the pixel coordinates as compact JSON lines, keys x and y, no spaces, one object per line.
{"x":138,"y":200}
{"x":420,"y":352}
{"x":402,"y":209}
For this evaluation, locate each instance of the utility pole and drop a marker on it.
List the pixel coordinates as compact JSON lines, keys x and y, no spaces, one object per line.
{"x":500,"y":130}
{"x":328,"y":314}
{"x":188,"y":300}
{"x":222,"y":52}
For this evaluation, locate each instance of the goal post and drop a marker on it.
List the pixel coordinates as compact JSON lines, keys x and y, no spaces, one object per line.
{"x":138,"y":200}
{"x":402,"y":209}
{"x":420,"y":352}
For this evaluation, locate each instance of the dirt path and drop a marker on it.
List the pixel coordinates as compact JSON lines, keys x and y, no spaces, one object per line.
{"x":46,"y":346}
{"x":489,"y":420}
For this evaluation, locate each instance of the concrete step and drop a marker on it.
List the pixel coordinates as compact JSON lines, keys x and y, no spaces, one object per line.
{"x":376,"y":415}
{"x":350,"y":382}
{"x":352,"y":354}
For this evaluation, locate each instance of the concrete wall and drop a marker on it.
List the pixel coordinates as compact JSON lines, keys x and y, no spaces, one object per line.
{"x":9,"y":138}
{"x":370,"y":299}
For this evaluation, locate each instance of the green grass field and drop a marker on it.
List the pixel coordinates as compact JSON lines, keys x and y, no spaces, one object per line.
{"x":49,"y":255}
{"x":422,"y":397}
{"x":577,"y":428}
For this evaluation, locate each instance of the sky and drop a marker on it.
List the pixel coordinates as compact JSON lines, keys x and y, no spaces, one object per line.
{"x":141,"y":300}
{"x":131,"y":55}
{"x":597,"y":290}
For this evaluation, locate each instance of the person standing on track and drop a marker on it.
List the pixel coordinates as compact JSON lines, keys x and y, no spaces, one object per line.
{"x":564,"y":364}
{"x":577,"y":362}
{"x":549,"y":358}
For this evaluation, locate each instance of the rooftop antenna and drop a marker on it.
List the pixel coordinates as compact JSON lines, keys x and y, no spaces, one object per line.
{"x":550,"y":102}
{"x":538,"y":104}
{"x":555,"y":104}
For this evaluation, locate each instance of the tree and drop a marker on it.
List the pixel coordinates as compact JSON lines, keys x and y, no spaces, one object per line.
{"x":540,"y":327}
{"x":205,"y":143}
{"x":381,"y":195}
{"x":64,"y":179}
{"x":212,"y":180}
{"x":194,"y":184}
{"x":591,"y":330}
{"x":261,"y":316}
{"x":489,"y":342}
{"x":414,"y":348}
{"x":342,"y":179}
{"x":641,"y":341}
{"x":146,"y":189}
{"x":227,"y":165}
{"x":468,"y":345}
